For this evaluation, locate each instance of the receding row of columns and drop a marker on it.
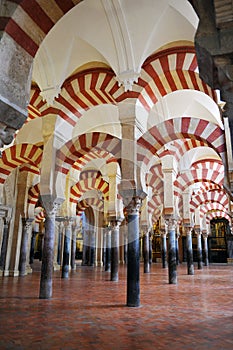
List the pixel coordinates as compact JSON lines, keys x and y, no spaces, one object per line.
{"x":111,"y":260}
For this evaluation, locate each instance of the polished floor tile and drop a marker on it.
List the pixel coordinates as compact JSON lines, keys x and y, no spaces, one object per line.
{"x":88,"y":311}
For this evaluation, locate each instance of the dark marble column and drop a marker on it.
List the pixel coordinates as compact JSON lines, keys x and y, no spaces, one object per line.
{"x":4,"y":243}
{"x":48,"y":252}
{"x":91,"y":247}
{"x":108,"y":250}
{"x":163,"y":236}
{"x":189,"y":249}
{"x":146,"y":249}
{"x":60,"y":241}
{"x":85,"y":247}
{"x":205,"y":237}
{"x":73,"y":247}
{"x":133,"y":266}
{"x":126,"y":247}
{"x":32,"y":248}
{"x":66,"y":249}
{"x":150,"y":247}
{"x":26,"y":226}
{"x":115,"y":227}
{"x":199,"y":249}
{"x":177,"y":248}
{"x":171,"y":229}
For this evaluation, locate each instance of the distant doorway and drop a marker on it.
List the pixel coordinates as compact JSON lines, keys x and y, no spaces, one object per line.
{"x":218,"y":241}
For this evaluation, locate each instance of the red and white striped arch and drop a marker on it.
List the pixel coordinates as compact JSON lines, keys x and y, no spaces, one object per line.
{"x":89,"y":202}
{"x":188,"y":178}
{"x":209,"y":207}
{"x":36,"y":103}
{"x":213,"y":164}
{"x":17,"y":155}
{"x":33,"y":194}
{"x":84,"y":144}
{"x":186,"y":127}
{"x":32,"y":20}
{"x":82,"y":92}
{"x":178,"y":148}
{"x":88,"y":184}
{"x":210,"y":196}
{"x":40,"y":216}
{"x":154,"y":204}
{"x":167,"y":71}
{"x":218,"y":215}
{"x":208,"y":186}
{"x":154,"y":178}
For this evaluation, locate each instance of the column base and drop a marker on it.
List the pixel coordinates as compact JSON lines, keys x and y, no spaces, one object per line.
{"x":13,"y":273}
{"x":56,"y":267}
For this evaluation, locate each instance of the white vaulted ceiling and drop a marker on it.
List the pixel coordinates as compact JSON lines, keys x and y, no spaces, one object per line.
{"x":120,"y":34}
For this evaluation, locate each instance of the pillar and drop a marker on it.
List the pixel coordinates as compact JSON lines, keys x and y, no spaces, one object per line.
{"x":48,"y":252}
{"x":171,"y":229}
{"x":60,"y":243}
{"x":4,"y":243}
{"x":189,"y":249}
{"x":150,"y":247}
{"x":126,"y":248}
{"x":177,"y":245}
{"x":108,"y":249}
{"x":133,"y":266}
{"x":85,"y":246}
{"x":26,"y":226}
{"x":114,"y":224}
{"x":32,"y":247}
{"x":66,"y":249}
{"x":73,"y":247}
{"x":163,"y":235}
{"x":146,"y":249}
{"x":205,"y":238}
{"x":91,"y":261}
{"x":199,"y":249}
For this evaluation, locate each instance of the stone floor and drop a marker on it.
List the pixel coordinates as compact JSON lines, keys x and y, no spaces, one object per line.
{"x":88,"y":311}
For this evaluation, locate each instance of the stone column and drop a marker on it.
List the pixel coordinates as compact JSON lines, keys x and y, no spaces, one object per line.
{"x":199,"y":249}
{"x":66,"y":249}
{"x":91,"y":247}
{"x":126,"y":246}
{"x":26,"y":226}
{"x":32,"y":248}
{"x":163,"y":235}
{"x":85,"y":246}
{"x":115,"y":228}
{"x":189,"y":249}
{"x":146,"y":249}
{"x":60,"y":240}
{"x":150,"y":247}
{"x":133,"y":267}
{"x":73,"y":247}
{"x":205,"y":237}
{"x":108,"y":250}
{"x":48,"y":252}
{"x":177,"y":246}
{"x":4,"y":243}
{"x":171,"y":229}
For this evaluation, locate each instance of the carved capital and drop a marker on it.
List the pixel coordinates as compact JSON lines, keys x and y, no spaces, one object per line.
{"x":134,"y":206}
{"x":27,"y":223}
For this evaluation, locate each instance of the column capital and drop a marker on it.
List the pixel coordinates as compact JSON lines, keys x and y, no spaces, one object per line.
{"x":205,"y":233}
{"x":115,"y":222}
{"x":51,"y":204}
{"x":68,"y":220}
{"x":27,"y":222}
{"x":197,"y":230}
{"x":134,"y":206}
{"x":163,"y":231}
